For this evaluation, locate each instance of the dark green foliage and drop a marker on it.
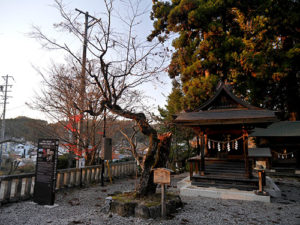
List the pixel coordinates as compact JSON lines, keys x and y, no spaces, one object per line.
{"x":62,"y":162}
{"x":205,"y":47}
{"x":174,"y":103}
{"x":180,"y":147}
{"x":254,"y":45}
{"x":270,"y":55}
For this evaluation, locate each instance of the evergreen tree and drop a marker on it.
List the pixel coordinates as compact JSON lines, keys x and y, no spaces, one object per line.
{"x":252,"y":44}
{"x":180,"y":147}
{"x":269,"y":59}
{"x":174,"y":103}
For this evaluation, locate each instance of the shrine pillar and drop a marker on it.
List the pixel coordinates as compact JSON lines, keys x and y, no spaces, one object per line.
{"x":203,"y":139}
{"x":245,"y":151}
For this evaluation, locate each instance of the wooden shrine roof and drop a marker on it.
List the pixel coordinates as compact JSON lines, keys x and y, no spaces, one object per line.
{"x":279,"y":129}
{"x":259,"y":152}
{"x":225,"y":117}
{"x":225,"y":108}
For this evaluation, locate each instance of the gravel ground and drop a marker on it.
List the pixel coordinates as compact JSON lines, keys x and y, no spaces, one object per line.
{"x":85,"y":206}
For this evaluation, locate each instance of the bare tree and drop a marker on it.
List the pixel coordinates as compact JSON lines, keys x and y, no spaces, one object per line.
{"x":136,"y":151}
{"x":122,"y":62}
{"x":61,"y":89}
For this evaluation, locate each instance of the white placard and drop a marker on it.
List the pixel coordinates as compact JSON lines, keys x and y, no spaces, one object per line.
{"x":81,"y":162}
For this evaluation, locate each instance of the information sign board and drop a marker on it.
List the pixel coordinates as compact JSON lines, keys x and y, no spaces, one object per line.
{"x":81,"y":163}
{"x":45,"y":173}
{"x":162,"y":176}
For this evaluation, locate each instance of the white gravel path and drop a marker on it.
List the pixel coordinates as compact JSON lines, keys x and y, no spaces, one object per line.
{"x":83,"y":206}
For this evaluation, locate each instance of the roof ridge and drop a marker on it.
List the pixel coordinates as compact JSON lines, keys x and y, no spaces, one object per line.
{"x":221,"y":86}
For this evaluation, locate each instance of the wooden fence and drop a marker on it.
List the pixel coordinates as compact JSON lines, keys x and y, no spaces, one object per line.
{"x":15,"y":188}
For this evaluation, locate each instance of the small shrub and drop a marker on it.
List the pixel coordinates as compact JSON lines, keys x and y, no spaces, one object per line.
{"x":28,"y":168}
{"x":62,"y":162}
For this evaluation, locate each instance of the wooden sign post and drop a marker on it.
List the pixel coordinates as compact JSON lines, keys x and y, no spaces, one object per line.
{"x":261,"y":181}
{"x":162,"y":176}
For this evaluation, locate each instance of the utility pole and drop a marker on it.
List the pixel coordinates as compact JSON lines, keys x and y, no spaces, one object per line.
{"x":87,"y":25}
{"x":104,"y":136}
{"x":3,"y":88}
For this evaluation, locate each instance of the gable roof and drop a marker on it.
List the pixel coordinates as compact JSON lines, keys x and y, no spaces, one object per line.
{"x":224,"y":92}
{"x":225,"y":108}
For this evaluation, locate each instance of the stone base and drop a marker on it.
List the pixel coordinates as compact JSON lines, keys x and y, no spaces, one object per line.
{"x":193,"y":191}
{"x":186,"y":189}
{"x":140,"y":209}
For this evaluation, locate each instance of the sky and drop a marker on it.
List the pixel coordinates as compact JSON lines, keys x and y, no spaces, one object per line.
{"x":19,"y":53}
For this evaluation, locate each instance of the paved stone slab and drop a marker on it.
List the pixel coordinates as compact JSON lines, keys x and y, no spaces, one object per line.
{"x":184,"y":182}
{"x":194,"y":191}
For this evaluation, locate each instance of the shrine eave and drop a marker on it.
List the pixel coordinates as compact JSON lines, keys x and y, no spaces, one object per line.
{"x":227,"y":117}
{"x":279,"y":129}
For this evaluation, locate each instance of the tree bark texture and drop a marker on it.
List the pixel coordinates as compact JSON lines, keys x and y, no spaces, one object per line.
{"x":158,"y":151}
{"x":159,"y":159}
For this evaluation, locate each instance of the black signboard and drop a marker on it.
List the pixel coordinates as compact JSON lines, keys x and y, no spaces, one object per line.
{"x":107,"y":148}
{"x":45,"y":174}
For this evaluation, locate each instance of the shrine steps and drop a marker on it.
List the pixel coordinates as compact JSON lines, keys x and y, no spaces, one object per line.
{"x":226,"y":168}
{"x":228,"y":182}
{"x":225,"y":174}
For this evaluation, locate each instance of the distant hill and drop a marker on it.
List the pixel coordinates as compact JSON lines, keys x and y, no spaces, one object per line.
{"x":27,"y":128}
{"x":33,"y":129}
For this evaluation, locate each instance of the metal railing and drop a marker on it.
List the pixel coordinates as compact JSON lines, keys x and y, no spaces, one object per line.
{"x":14,"y":188}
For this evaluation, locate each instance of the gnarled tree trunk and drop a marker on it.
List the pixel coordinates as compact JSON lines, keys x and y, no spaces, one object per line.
{"x":158,"y":150}
{"x":162,"y":145}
